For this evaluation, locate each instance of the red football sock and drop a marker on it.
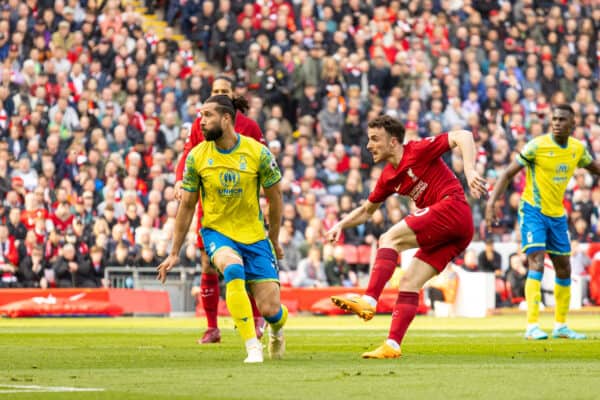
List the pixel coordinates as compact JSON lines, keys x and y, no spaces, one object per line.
{"x":386,"y":262}
{"x":209,"y":291}
{"x":255,"y":311}
{"x":404,"y":312}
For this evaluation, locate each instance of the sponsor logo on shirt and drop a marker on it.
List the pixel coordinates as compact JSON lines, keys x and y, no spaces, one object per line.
{"x":230,"y":181}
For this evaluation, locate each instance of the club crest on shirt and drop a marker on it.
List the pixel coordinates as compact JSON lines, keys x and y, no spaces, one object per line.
{"x":243,"y":163}
{"x":411,"y":174}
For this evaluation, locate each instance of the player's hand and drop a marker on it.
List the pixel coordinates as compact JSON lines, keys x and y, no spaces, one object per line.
{"x":278,"y":250}
{"x":490,"y":216}
{"x":477,"y":185}
{"x":165,"y":267}
{"x":333,"y":235}
{"x":178,"y":190}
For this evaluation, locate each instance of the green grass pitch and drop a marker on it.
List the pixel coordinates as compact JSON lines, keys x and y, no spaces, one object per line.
{"x":158,"y":358}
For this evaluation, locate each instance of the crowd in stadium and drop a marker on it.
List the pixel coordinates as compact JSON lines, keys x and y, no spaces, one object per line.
{"x":95,"y":110}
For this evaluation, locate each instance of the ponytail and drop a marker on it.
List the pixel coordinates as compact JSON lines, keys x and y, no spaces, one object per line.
{"x":228,"y":105}
{"x":240,"y":103}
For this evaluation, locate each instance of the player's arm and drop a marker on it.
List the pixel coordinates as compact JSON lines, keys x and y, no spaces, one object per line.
{"x":358,"y":216}
{"x":505,"y":177}
{"x":275,"y":199}
{"x":183,"y":220}
{"x":594,"y":167}
{"x":464,"y":140}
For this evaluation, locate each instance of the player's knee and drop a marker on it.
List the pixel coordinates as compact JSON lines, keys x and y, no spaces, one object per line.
{"x":222,"y":259}
{"x":407,"y":284}
{"x":208,"y":268}
{"x":563,"y":272}
{"x":269,"y":308}
{"x":233,"y":272}
{"x":392,"y":241}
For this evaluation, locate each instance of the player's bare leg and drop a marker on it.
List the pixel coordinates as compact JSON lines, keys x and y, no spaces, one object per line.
{"x":267,"y":296}
{"x":398,"y":238}
{"x":405,"y":309}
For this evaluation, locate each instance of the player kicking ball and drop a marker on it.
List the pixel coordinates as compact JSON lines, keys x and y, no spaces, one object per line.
{"x":441,"y":227}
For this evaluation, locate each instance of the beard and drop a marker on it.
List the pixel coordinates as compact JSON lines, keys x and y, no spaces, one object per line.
{"x":213,"y":134}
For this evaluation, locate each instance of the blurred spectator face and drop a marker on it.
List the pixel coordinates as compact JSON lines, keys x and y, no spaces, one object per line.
{"x":121,"y":252}
{"x":14,"y":216}
{"x":96,"y":255}
{"x":117,"y":232}
{"x":338,"y":253}
{"x":68,"y":251}
{"x":147,"y":253}
{"x":470,"y":260}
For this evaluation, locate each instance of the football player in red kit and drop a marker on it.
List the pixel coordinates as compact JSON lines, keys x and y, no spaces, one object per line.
{"x":209,"y":281}
{"x":441,"y":227}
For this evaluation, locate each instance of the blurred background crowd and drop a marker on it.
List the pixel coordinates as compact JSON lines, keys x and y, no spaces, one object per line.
{"x":96,"y":104}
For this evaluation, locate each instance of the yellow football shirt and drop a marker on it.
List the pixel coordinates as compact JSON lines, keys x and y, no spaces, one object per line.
{"x":549,"y":169}
{"x":229,"y":183}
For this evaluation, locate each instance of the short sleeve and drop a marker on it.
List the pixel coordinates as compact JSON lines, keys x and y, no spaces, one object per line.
{"x":268,"y":172}
{"x":191,"y":179}
{"x":430,"y":148}
{"x":527,"y":155}
{"x":382,"y":188}
{"x":586,"y":159}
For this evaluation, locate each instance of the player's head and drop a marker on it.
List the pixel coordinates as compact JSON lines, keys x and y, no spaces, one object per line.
{"x":385,"y":135}
{"x":563,"y":120}
{"x":218,"y":114}
{"x":222,"y":84}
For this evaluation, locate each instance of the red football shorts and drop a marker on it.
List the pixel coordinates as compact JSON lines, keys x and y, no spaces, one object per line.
{"x":443,"y":231}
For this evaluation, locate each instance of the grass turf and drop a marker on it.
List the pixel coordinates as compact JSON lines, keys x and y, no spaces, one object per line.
{"x":157,"y":358}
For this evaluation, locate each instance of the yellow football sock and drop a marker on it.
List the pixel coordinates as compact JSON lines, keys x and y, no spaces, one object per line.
{"x":278,"y":320}
{"x":533,"y":295}
{"x":240,"y":309}
{"x":562,"y":297}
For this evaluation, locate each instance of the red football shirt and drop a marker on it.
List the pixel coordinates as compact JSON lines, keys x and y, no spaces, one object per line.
{"x":421,"y":175}
{"x":243,"y":125}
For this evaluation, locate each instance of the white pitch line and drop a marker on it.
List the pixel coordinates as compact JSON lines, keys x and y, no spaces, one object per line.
{"x":44,"y":389}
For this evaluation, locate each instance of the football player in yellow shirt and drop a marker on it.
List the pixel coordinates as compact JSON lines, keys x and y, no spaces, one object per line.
{"x":550,"y":161}
{"x":227,"y":170}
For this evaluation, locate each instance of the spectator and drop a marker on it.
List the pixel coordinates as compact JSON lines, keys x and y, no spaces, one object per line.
{"x":310,"y":271}
{"x":489,"y":260}
{"x":9,"y":258}
{"x":337,"y":270}
{"x":71,"y":270}
{"x":31,"y":271}
{"x":16,"y":228}
{"x":516,"y":275}
{"x":580,"y":262}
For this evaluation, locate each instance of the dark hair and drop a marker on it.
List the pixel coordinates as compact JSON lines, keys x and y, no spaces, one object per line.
{"x":223,"y":77}
{"x":391,"y":125}
{"x":565,"y":107}
{"x":228,"y":105}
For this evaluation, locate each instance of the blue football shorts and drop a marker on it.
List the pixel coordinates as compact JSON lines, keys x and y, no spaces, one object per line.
{"x":259,"y":258}
{"x":540,"y":232}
